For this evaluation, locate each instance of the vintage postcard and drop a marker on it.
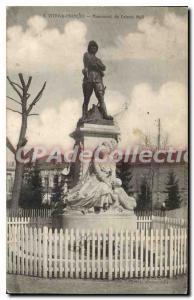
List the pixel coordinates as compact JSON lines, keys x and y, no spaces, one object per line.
{"x":97,"y":150}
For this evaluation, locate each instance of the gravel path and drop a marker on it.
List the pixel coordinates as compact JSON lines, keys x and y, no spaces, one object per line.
{"x":19,"y":284}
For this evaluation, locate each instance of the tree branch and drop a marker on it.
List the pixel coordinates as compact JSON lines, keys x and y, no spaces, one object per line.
{"x":28,"y":83}
{"x":36,"y":99}
{"x":23,"y":142}
{"x":22,"y":80}
{"x":33,"y":115}
{"x":14,"y":110}
{"x":13,"y":86}
{"x":14,"y":100}
{"x":10,"y":146}
{"x":15,"y":83}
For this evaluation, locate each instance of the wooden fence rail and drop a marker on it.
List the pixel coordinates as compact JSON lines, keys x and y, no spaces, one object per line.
{"x":44,"y":252}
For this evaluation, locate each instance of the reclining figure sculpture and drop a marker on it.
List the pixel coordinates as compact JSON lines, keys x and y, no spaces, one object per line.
{"x":100,"y":190}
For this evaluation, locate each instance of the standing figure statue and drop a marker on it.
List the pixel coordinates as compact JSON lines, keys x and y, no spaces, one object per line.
{"x":93,"y":72}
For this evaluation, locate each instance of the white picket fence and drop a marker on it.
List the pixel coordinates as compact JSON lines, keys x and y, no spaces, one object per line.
{"x":159,"y":222}
{"x":145,"y":220}
{"x":44,"y":252}
{"x":29,"y":221}
{"x":32,"y":213}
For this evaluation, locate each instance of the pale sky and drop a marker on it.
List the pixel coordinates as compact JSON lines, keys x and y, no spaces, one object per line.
{"x":143,"y":48}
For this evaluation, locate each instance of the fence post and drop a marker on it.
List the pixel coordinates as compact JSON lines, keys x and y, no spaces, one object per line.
{"x":161,"y":252}
{"x":165,"y":252}
{"x":171,"y":253}
{"x":55,"y":267}
{"x":175,"y":251}
{"x":181,"y":250}
{"x":110,"y":253}
{"x":116,"y":253}
{"x":151,"y":252}
{"x":104,"y":255}
{"x":131,"y":254}
{"x":99,"y":253}
{"x":31,"y":248}
{"x":88,"y":254}
{"x":50,"y":234}
{"x":77,"y":237}
{"x":156,"y":253}
{"x":185,"y":251}
{"x":18,"y":242}
{"x":35,"y":251}
{"x":61,"y":253}
{"x":11,"y":239}
{"x":39,"y":251}
{"x":22,"y":247}
{"x":146,"y":252}
{"x":126,"y":253}
{"x":178,"y":251}
{"x":14,"y":231}
{"x":45,"y":242}
{"x":93,"y":253}
{"x":71,"y":253}
{"x":66,"y":252}
{"x":142,"y":236}
{"x":121,"y":254}
{"x":136,"y":252}
{"x":82,"y":253}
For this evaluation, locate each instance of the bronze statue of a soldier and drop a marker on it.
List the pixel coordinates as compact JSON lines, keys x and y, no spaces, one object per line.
{"x":93,"y":72}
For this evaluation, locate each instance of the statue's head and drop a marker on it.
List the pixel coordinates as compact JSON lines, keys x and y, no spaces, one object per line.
{"x":110,"y":145}
{"x":92,"y":47}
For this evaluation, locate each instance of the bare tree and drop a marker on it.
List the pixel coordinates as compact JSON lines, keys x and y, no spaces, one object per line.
{"x":22,"y":90}
{"x":165,"y":141}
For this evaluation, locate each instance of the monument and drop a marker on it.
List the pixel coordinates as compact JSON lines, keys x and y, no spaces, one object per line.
{"x":97,"y":199}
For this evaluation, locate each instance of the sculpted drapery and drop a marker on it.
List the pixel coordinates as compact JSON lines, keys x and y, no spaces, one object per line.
{"x":100,"y":189}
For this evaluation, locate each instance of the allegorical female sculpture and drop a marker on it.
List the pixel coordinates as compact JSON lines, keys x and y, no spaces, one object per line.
{"x":93,"y":73}
{"x":100,"y":190}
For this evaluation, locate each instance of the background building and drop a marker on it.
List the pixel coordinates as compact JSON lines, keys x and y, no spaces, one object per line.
{"x":10,"y":170}
{"x":155,"y":175}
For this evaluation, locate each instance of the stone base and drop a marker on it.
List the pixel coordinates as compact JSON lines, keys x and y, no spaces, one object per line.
{"x":91,"y":136}
{"x":95,"y":221}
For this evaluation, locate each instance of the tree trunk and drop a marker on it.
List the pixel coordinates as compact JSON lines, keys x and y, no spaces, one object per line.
{"x":19,"y":171}
{"x":17,"y":186}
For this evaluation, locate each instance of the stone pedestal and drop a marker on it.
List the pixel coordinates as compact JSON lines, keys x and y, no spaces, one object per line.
{"x":89,"y":136}
{"x":95,"y":222}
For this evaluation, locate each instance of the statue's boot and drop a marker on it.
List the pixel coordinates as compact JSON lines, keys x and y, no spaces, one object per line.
{"x":104,"y":111}
{"x":84,"y":112}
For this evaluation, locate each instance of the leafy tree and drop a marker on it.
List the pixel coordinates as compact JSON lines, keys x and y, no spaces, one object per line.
{"x":57,"y":190}
{"x":32,"y":190}
{"x":124,"y":173}
{"x":173,"y":199}
{"x":144,"y":199}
